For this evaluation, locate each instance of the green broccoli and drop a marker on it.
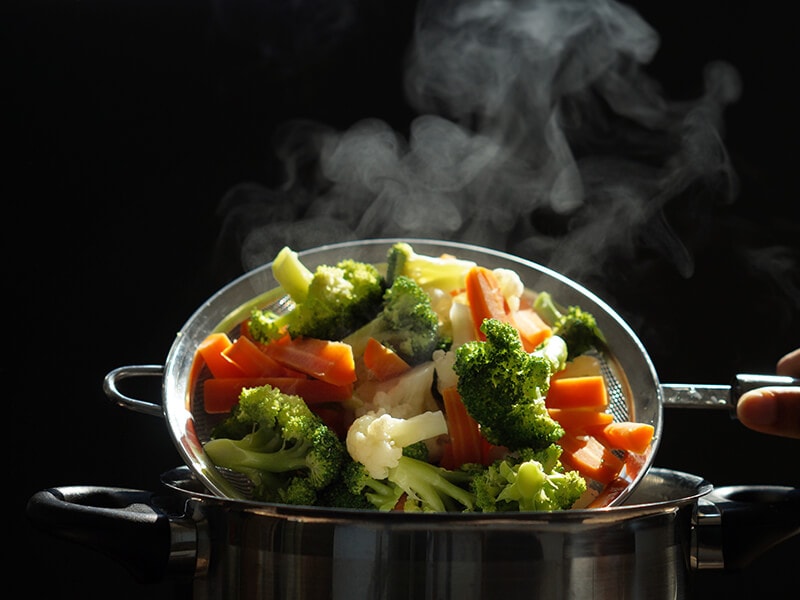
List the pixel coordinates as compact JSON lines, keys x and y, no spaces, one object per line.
{"x":575,"y":326}
{"x":274,"y":439}
{"x":527,"y":481}
{"x":430,"y":488}
{"x":443,"y":272}
{"x":407,"y":324}
{"x":355,"y":488}
{"x":327,"y":304}
{"x":503,"y":387}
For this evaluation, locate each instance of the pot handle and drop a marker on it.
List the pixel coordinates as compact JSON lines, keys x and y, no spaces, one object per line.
{"x":120,"y":373}
{"x":738,"y":524}
{"x":127,"y":525}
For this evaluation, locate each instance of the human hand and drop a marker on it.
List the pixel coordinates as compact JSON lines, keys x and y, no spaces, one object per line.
{"x":774,"y":410}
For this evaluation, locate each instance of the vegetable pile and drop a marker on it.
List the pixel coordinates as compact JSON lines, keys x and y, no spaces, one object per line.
{"x":426,"y":384}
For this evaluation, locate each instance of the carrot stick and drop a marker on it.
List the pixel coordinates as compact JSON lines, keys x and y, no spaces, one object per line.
{"x":322,"y":359}
{"x":577,"y":420}
{"x":384,"y":363}
{"x":532,"y":328}
{"x":577,"y":392}
{"x":251,"y":360}
{"x":465,"y":436}
{"x":220,"y":395}
{"x":583,"y":453}
{"x":211,"y":350}
{"x":626,"y":435}
{"x":486,"y":300}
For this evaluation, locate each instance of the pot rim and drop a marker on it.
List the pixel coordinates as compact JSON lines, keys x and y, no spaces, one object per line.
{"x":676,"y":488}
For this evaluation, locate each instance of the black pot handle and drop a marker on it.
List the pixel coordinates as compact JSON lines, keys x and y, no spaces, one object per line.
{"x":132,"y":527}
{"x":738,"y":524}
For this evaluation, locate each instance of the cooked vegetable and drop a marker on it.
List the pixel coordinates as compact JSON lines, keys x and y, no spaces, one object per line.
{"x":465,"y":444}
{"x":445,"y":273}
{"x":625,"y":435}
{"x":252,"y":360}
{"x":377,"y":440}
{"x":577,"y":392}
{"x":332,"y":302}
{"x":488,"y":300}
{"x":407,"y":324}
{"x":274,"y":439}
{"x":383,"y":363}
{"x":503,"y":386}
{"x":579,"y":420}
{"x":527,"y":481}
{"x":574,"y":325}
{"x":437,"y":387}
{"x":221,"y":394}
{"x":322,"y":359}
{"x":589,"y":457}
{"x":211,"y":350}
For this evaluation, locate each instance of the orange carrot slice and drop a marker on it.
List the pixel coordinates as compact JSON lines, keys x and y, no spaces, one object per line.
{"x":220,"y":395}
{"x":577,"y":420}
{"x":583,"y":453}
{"x":322,"y":359}
{"x":211,"y":350}
{"x":384,"y":363}
{"x":532,"y":328}
{"x":577,"y":392}
{"x":251,"y":360}
{"x":627,"y":435}
{"x":465,"y":437}
{"x":485,"y":297}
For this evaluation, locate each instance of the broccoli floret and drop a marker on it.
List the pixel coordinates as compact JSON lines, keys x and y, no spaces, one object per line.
{"x":340,"y":299}
{"x":266,"y":325}
{"x":355,"y":488}
{"x":527,"y":481}
{"x":430,"y":488}
{"x":443,"y":272}
{"x":503,"y":387}
{"x":328,"y":304}
{"x":407,"y":324}
{"x":575,"y":326}
{"x":274,"y":439}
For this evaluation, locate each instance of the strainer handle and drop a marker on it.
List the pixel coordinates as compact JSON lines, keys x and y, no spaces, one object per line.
{"x":120,"y":373}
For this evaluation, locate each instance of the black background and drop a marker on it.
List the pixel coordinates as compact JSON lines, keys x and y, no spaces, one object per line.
{"x":125,"y":123}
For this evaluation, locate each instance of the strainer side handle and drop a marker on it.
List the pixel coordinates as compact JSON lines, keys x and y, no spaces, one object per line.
{"x":111,"y":389}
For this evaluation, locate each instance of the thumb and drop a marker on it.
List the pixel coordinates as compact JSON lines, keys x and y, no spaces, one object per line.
{"x":772,"y":410}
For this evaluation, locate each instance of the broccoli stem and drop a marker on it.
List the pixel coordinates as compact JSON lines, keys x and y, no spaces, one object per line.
{"x":291,"y":274}
{"x":231,"y":454}
{"x":426,"y":482}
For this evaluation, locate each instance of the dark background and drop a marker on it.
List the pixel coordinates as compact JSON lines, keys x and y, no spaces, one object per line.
{"x":125,"y":124}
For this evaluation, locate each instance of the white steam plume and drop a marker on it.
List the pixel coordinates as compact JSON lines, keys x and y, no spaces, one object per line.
{"x":539,"y":132}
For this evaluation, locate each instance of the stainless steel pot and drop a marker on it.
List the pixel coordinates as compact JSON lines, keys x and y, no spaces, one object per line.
{"x":672,"y":525}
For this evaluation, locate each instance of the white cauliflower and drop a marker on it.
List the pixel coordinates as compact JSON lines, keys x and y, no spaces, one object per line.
{"x":511,"y":286}
{"x":403,"y":396}
{"x":377,"y":439}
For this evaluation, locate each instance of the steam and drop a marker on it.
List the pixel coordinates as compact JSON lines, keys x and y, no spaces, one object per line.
{"x":538,"y":132}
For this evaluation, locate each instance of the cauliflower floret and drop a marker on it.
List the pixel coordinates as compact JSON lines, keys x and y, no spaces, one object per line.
{"x":403,"y":396}
{"x":511,"y":286}
{"x":377,"y":439}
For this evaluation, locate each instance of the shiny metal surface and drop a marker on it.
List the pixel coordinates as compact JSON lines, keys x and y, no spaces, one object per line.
{"x":638,"y":550}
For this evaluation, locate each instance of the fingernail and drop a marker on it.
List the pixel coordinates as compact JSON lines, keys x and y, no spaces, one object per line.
{"x":758,"y":407}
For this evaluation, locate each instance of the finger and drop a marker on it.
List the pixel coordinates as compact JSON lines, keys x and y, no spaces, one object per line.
{"x":789,"y":364}
{"x":772,"y":410}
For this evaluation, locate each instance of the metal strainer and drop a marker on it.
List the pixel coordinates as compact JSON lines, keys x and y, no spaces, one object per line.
{"x":634,"y":391}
